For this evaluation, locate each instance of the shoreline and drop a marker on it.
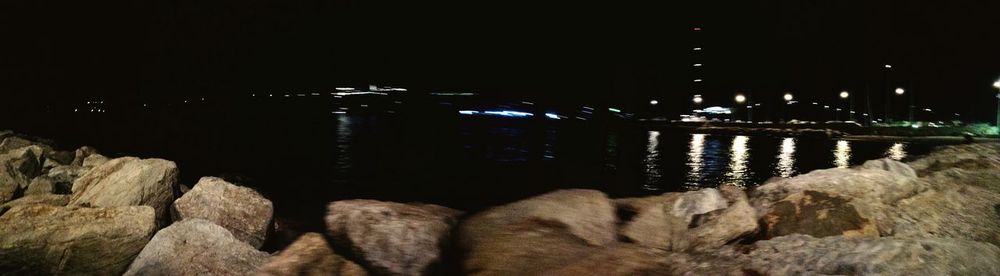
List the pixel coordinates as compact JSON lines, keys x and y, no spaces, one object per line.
{"x":883,"y":203}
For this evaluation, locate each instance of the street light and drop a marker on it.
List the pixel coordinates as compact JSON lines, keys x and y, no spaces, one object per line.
{"x":844,"y":94}
{"x":997,"y":86}
{"x":697,"y":99}
{"x":653,"y":102}
{"x":788,"y":97}
{"x":740,"y":98}
{"x":900,"y":91}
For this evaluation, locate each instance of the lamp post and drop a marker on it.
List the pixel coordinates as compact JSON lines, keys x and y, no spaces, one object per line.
{"x":788,"y":101}
{"x":850,"y":103}
{"x":740,"y":99}
{"x":899,"y":92}
{"x":997,"y":86}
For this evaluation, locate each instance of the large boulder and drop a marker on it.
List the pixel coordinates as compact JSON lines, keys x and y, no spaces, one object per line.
{"x":43,"y":239}
{"x":587,"y":214}
{"x":838,"y":255}
{"x":17,"y":168}
{"x":94,"y":160}
{"x":890,"y":165}
{"x":46,"y":185}
{"x":817,"y":214}
{"x":129,"y":181}
{"x":858,"y":184}
{"x":241,"y":210}
{"x":719,"y":227}
{"x":66,"y":175}
{"x":392,"y":238}
{"x":44,"y":199}
{"x":14,"y":142}
{"x":970,"y":157}
{"x":663,"y":221}
{"x":310,"y":255}
{"x":965,"y":212}
{"x":196,"y":247}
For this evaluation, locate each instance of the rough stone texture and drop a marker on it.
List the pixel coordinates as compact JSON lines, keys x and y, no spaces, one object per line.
{"x":45,"y":185}
{"x":60,"y":157}
{"x":66,"y":175}
{"x":816,"y":214}
{"x":17,"y":168}
{"x":241,"y":210}
{"x":196,"y":247}
{"x":310,"y":255}
{"x":42,"y":239}
{"x":14,"y":142}
{"x":965,"y":212}
{"x":890,"y":165}
{"x":393,"y":238}
{"x":802,"y":254}
{"x":46,"y":199}
{"x":866,"y":185}
{"x":129,"y":181}
{"x":81,"y":154}
{"x":526,"y":247}
{"x":969,"y":157}
{"x":94,"y":160}
{"x":587,"y":214}
{"x":722,"y":226}
{"x":663,"y":221}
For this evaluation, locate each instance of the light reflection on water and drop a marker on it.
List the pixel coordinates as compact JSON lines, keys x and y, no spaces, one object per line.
{"x":652,"y":161}
{"x":786,"y":158}
{"x":896,"y":152}
{"x":842,"y":154}
{"x":738,"y":155}
{"x":696,"y":149}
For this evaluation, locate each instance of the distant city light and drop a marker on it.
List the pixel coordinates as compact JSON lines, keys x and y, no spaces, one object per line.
{"x":788,"y":97}
{"x":468,"y":112}
{"x":654,"y":102}
{"x":888,"y":66}
{"x":697,"y":80}
{"x":697,"y":28}
{"x":552,"y":116}
{"x":697,"y":48}
{"x":615,"y":110}
{"x":996,"y":84}
{"x":697,"y":99}
{"x":344,"y":89}
{"x":900,"y":91}
{"x":697,"y":65}
{"x":509,"y":113}
{"x":715,"y":110}
{"x":740,"y":98}
{"x":844,"y":94}
{"x":927,"y":109}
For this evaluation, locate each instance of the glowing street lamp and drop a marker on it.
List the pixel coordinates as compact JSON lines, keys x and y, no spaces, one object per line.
{"x":788,"y":97}
{"x":697,"y":99}
{"x":653,"y":102}
{"x":740,"y":98}
{"x":900,"y":91}
{"x":844,"y":94}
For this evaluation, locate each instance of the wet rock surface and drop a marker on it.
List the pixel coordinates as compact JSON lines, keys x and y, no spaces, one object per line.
{"x":392,"y":238}
{"x":241,"y":210}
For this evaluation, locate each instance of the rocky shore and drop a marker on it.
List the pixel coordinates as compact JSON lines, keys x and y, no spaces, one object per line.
{"x":79,"y":212}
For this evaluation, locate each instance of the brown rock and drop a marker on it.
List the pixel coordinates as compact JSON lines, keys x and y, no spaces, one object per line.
{"x":17,"y":168}
{"x":393,"y":238}
{"x":310,"y":255}
{"x":241,"y":210}
{"x":42,"y":239}
{"x":81,"y":154}
{"x":817,"y":214}
{"x":129,"y":181}
{"x":43,"y":199}
{"x":196,"y":247}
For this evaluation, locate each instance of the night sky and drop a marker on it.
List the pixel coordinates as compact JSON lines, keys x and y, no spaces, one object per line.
{"x":944,"y":52}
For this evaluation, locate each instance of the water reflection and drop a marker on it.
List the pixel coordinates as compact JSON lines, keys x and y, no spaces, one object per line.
{"x":345,"y":133}
{"x":738,"y":155}
{"x":842,"y":154}
{"x":652,"y":161}
{"x":896,"y":152}
{"x":786,"y":158}
{"x":696,"y":149}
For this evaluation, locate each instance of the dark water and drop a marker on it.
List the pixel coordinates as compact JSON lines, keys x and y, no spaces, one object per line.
{"x":303,"y":159}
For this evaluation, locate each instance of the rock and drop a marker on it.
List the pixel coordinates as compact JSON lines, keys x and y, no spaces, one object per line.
{"x":184,"y":188}
{"x":862,"y":186}
{"x":984,"y":178}
{"x":81,"y":154}
{"x":41,"y":239}
{"x":890,"y":165}
{"x":44,"y":199}
{"x":241,"y":210}
{"x":60,"y":157}
{"x":310,"y":255}
{"x":524,"y":247}
{"x":46,"y":185}
{"x":94,"y":160}
{"x":964,"y":212}
{"x":838,"y":255}
{"x":970,"y":157}
{"x":663,"y":221}
{"x":66,"y":175}
{"x":816,"y":214}
{"x":587,"y":214}
{"x":129,"y":181}
{"x":392,"y":238}
{"x":17,"y":168}
{"x":724,"y":225}
{"x":14,"y":142}
{"x":196,"y":247}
